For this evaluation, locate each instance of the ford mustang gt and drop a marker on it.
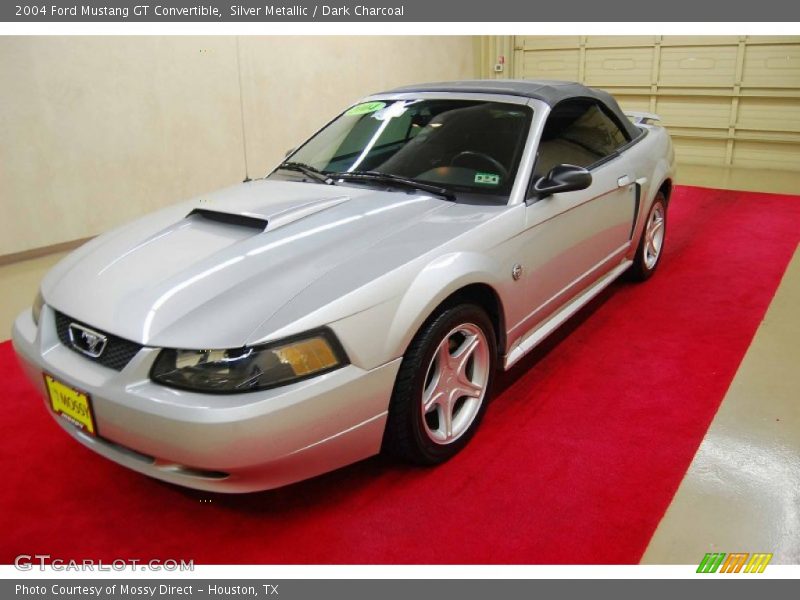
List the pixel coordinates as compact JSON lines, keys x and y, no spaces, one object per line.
{"x":360,"y":296}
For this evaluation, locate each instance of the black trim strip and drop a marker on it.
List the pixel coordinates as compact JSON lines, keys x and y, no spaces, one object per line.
{"x":636,"y":205}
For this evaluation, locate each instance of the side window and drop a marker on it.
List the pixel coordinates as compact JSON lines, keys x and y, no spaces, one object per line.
{"x":577,"y":132}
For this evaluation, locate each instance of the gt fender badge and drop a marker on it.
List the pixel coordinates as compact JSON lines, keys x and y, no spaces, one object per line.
{"x":516,"y":271}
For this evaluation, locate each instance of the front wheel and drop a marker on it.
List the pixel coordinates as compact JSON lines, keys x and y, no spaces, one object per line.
{"x":442,"y":386}
{"x":651,"y":245}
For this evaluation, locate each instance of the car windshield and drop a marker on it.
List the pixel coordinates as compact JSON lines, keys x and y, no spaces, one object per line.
{"x":459,"y":145}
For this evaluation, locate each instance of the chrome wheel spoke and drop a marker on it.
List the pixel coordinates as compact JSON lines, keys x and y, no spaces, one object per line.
{"x":656,"y":227}
{"x":469,"y":388}
{"x":446,"y":420}
{"x":464,"y":353}
{"x":444,"y":357}
{"x":432,"y":399}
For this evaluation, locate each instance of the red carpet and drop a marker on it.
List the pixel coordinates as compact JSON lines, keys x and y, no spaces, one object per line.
{"x":576,"y":461}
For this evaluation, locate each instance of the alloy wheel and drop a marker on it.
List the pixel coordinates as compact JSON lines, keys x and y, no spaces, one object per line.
{"x":455,"y":383}
{"x":654,"y":236}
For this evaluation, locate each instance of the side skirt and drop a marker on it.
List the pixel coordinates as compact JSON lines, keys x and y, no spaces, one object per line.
{"x":535,"y":336}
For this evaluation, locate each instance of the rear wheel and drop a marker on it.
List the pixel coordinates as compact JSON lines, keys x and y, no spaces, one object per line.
{"x":651,"y":245}
{"x":442,"y":386}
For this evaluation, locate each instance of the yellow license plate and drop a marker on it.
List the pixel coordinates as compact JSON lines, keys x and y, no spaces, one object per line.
{"x":75,"y":406}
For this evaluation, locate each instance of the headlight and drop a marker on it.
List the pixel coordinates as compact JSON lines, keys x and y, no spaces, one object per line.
{"x":250,"y":368}
{"x":36,"y":309}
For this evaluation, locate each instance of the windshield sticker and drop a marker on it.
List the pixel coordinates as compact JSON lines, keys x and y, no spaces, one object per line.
{"x":365,"y":108}
{"x":487,"y":178}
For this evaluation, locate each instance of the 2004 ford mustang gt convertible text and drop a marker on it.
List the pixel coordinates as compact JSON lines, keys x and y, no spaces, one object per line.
{"x":359,"y":298}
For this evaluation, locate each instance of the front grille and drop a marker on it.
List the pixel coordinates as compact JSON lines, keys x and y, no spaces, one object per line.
{"x":118,"y":351}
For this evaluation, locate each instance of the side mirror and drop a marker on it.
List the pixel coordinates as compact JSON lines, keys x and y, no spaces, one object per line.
{"x":563,"y":178}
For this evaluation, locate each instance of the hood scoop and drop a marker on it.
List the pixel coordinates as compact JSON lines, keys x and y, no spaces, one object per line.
{"x":230,"y":218}
{"x":260,"y":217}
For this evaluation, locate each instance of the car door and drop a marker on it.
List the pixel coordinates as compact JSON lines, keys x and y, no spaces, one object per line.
{"x":573,"y":238}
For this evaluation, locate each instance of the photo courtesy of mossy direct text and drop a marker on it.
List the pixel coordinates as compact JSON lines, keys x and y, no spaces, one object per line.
{"x":152,"y":591}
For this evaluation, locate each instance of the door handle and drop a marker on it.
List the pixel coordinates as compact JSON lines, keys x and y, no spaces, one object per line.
{"x":623,"y":181}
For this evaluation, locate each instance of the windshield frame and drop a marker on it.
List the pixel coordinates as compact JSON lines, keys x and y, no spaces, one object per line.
{"x":526,"y":158}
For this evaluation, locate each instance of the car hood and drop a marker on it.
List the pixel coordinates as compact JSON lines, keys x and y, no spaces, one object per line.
{"x":207,"y":272}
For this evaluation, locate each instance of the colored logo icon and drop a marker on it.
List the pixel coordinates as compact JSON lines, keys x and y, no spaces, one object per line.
{"x":736,"y":562}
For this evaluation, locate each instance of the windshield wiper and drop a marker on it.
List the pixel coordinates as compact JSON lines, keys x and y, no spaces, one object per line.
{"x":308,"y":171}
{"x":394,"y":180}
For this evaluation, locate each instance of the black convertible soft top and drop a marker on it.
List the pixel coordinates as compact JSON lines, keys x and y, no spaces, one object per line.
{"x":550,"y":92}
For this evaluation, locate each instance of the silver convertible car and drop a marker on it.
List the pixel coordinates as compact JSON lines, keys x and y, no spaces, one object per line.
{"x":360,"y":297}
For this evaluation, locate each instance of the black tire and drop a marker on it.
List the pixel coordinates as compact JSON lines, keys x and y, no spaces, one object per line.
{"x":639,"y":270}
{"x":406,"y":435}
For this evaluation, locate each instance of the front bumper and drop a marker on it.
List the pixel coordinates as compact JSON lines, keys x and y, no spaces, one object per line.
{"x":224,"y":443}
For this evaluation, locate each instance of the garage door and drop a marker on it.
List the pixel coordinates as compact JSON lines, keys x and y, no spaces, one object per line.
{"x":727,"y":100}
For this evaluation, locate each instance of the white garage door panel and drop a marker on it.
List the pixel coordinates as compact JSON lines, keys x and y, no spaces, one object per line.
{"x":640,"y":103}
{"x":701,"y":112}
{"x":690,"y":150}
{"x":550,"y":41}
{"x":703,"y":66}
{"x":553,"y":64}
{"x":699,"y":40}
{"x":618,"y":66}
{"x":766,"y":155}
{"x":770,"y":114}
{"x":772,"y":66}
{"x":727,"y":100}
{"x":617,"y":41}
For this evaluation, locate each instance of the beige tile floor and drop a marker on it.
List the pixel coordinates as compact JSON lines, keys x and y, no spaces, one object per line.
{"x":742,"y":492}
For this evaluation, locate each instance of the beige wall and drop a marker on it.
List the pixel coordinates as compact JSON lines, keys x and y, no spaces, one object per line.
{"x":728,"y":101}
{"x":95,"y":130}
{"x":291,"y":90}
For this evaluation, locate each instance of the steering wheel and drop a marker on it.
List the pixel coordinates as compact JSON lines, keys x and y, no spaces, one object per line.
{"x":465,"y":156}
